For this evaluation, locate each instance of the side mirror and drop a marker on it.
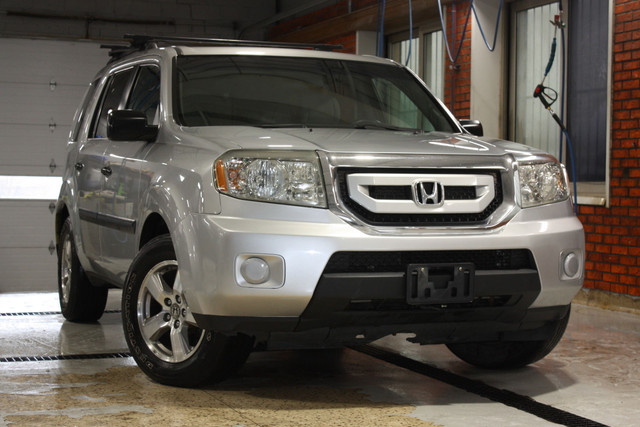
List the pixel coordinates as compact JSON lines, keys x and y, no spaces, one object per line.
{"x":130,"y":125}
{"x":474,"y":127}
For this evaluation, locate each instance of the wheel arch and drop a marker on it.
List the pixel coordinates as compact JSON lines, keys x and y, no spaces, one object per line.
{"x":154,"y":226}
{"x":62,"y":213}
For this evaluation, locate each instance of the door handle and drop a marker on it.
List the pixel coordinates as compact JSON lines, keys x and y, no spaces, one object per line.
{"x":106,"y":171}
{"x":79,"y":166}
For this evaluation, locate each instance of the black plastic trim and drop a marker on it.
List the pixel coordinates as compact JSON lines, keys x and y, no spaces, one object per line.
{"x":111,"y":221}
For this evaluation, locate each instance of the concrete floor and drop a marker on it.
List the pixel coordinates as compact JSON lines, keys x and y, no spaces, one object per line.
{"x":592,"y":377}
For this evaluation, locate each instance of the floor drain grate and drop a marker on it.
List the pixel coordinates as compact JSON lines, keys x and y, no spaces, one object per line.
{"x":479,"y":388}
{"x":45,"y":313}
{"x":65,"y":357}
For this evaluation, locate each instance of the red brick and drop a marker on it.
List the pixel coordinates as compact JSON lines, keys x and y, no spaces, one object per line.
{"x":628,"y":280}
{"x":618,"y":250}
{"x":613,"y":278}
{"x":619,"y":269}
{"x":633,"y":290}
{"x":619,"y":289}
{"x":594,"y":275}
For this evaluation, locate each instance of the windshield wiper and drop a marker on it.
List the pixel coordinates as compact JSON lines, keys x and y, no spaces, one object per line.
{"x":281,"y":125}
{"x":377,"y":124}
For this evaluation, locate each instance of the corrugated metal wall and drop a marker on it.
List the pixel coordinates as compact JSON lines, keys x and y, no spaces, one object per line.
{"x":534,"y":34}
{"x":588,"y":30}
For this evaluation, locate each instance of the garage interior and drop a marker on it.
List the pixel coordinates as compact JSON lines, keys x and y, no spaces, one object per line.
{"x":56,"y":372}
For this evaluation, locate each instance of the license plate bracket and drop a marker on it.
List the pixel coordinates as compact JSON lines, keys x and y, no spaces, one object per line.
{"x":440,"y":283}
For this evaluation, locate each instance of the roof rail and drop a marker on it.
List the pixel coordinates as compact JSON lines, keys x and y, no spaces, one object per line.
{"x":141,"y":42}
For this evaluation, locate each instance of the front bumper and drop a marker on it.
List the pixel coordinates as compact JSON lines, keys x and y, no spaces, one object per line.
{"x":209,"y":246}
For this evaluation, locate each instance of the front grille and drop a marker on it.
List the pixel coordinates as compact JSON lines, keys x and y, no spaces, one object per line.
{"x":388,"y":192}
{"x":378,"y":262}
{"x":403,"y":192}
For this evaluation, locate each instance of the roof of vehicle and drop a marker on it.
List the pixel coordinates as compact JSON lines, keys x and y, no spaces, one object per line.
{"x":138,"y":43}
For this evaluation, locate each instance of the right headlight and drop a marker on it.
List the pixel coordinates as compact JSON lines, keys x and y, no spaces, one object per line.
{"x":542,"y":183}
{"x":292,"y":178}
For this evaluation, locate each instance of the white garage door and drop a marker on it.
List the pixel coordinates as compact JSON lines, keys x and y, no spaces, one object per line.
{"x":42,"y":83}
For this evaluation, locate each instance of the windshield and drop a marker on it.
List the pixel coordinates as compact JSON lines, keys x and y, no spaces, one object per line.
{"x":303,"y":92}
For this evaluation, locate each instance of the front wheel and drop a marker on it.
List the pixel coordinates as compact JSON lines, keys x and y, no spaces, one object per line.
{"x":510,"y":354}
{"x":160,"y":330}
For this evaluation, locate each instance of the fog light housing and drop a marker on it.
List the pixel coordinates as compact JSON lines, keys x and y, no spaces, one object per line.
{"x":259,"y":271}
{"x":255,"y":270}
{"x":571,"y":264}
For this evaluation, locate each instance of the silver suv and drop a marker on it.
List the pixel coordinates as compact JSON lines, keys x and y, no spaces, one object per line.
{"x":250,"y":196}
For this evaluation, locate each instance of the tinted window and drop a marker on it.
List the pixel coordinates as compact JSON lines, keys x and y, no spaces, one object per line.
{"x":273,"y":91}
{"x":111,"y":100}
{"x":145,"y":95}
{"x":82,"y":112}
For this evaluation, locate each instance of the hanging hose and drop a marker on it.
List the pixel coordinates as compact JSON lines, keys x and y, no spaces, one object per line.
{"x":453,"y":59}
{"x":495,"y":34}
{"x":548,"y":96}
{"x":551,"y":58}
{"x":410,"y":33}
{"x":380,"y":28}
{"x":464,"y":31}
{"x":563,"y":83}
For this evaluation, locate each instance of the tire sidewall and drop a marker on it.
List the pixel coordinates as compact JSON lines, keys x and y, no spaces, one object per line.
{"x":86,"y":303}
{"x":201,"y":365}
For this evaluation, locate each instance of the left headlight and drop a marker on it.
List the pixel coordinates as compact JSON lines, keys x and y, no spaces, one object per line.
{"x":293,"y":178}
{"x":542,"y":183}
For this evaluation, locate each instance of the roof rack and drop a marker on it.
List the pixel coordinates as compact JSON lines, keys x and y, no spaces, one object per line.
{"x":141,"y":42}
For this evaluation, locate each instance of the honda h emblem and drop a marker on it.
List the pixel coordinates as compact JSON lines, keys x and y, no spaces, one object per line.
{"x":428,"y":193}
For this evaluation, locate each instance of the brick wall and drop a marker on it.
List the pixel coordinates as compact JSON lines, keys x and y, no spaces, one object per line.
{"x":458,"y":75}
{"x":613,"y":234}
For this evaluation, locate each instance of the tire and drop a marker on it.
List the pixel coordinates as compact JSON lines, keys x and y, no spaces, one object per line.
{"x":160,"y":330}
{"x":509,"y":354}
{"x":80,"y":301}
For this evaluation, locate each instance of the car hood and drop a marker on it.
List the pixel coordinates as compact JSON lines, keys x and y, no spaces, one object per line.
{"x":367,"y":141}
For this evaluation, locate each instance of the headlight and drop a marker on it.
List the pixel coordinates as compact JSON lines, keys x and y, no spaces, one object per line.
{"x":541,"y":183}
{"x":280,"y":177}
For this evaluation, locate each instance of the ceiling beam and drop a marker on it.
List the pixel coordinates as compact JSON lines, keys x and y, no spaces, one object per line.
{"x":395,"y":20}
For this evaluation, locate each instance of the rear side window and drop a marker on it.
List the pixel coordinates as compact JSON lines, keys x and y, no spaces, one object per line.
{"x":81,"y":114}
{"x":111,"y":100}
{"x":145,"y":95}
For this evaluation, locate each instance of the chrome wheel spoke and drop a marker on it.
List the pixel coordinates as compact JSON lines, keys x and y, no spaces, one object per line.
{"x":188,"y":317}
{"x":65,"y":269}
{"x":179,"y":344}
{"x":177,"y":285}
{"x":154,"y":327}
{"x":165,"y":320}
{"x":158,"y":288}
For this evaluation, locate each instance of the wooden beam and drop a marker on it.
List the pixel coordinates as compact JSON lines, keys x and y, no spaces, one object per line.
{"x":396,"y":19}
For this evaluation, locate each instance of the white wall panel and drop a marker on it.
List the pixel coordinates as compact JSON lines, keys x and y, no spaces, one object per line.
{"x":25,"y":224}
{"x":28,"y":270}
{"x":26,"y":231}
{"x":42,"y":83}
{"x":35,"y":103}
{"x":68,"y":63}
{"x":28,"y":149}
